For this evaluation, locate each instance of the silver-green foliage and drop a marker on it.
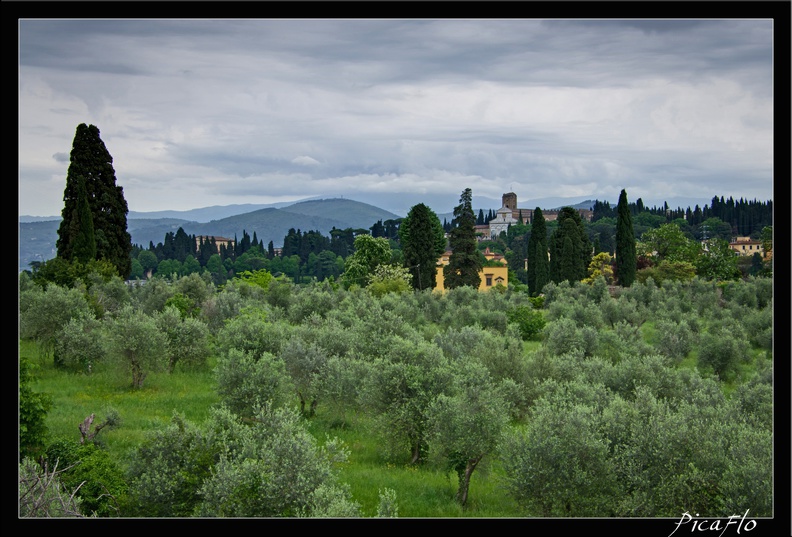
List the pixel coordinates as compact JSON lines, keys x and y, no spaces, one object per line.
{"x":41,"y":494}
{"x":674,"y":340}
{"x":465,"y":425}
{"x":136,"y":342}
{"x":559,"y":464}
{"x":188,"y":339}
{"x":168,"y":468}
{"x":44,"y":312}
{"x":80,"y":344}
{"x":252,"y":332}
{"x":273,"y":468}
{"x":246,"y":381}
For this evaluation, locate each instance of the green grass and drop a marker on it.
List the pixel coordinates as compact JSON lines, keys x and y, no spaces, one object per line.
{"x":423,"y":491}
{"x":76,"y":396}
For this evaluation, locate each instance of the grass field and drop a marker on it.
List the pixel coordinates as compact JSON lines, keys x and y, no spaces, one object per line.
{"x":421,"y":492}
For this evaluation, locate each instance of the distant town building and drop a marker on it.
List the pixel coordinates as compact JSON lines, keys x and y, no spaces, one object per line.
{"x":490,"y":276}
{"x":747,"y":246}
{"x":510,"y":214}
{"x":208,"y":238}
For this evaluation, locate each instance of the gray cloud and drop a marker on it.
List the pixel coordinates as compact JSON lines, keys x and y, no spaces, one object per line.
{"x":210,"y":112}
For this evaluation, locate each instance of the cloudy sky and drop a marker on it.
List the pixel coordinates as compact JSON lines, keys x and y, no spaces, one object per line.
{"x":203,"y":112}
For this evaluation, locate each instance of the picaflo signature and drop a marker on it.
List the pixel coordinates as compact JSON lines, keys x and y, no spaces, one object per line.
{"x":719,"y":524}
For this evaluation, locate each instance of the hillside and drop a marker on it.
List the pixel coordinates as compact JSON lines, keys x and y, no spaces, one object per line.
{"x":37,"y":239}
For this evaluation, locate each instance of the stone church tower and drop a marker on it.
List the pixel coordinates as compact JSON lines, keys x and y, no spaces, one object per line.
{"x":510,"y":201}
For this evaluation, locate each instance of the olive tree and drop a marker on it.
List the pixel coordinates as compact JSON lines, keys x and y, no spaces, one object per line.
{"x":559,"y":464}
{"x":273,"y":467}
{"x":44,"y":312}
{"x":246,"y":381}
{"x":80,"y":344}
{"x":466,"y":426}
{"x":135,"y":341}
{"x":188,"y":339}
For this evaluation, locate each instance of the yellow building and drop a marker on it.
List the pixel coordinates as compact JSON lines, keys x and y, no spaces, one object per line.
{"x":490,"y":276}
{"x":747,"y":246}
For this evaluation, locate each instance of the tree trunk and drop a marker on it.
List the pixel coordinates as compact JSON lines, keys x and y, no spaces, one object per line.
{"x":464,"y":481}
{"x":416,"y":453}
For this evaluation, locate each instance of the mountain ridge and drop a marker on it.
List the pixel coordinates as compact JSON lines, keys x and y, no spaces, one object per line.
{"x":37,"y":238}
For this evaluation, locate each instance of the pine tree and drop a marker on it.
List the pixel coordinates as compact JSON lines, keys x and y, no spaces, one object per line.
{"x":626,"y":259}
{"x":91,"y":161}
{"x":423,"y":242}
{"x":466,"y":261}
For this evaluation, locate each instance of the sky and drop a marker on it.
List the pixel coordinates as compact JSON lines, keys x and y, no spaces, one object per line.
{"x":206,"y":112}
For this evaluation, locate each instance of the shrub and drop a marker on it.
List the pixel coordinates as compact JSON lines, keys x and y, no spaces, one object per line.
{"x":167,"y":470}
{"x":722,"y":352}
{"x":33,"y":408}
{"x":674,"y":340}
{"x":99,"y":482}
{"x":41,"y":494}
{"x":530,"y":321}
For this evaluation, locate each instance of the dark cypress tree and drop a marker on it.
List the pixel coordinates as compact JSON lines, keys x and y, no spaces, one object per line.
{"x":423,"y":242}
{"x":81,"y":229}
{"x":626,"y":259}
{"x":538,"y":264}
{"x":183,"y":245}
{"x":466,"y":261}
{"x":91,"y":161}
{"x":569,"y":263}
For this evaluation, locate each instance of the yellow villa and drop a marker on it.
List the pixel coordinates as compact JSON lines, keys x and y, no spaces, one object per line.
{"x":490,"y":276}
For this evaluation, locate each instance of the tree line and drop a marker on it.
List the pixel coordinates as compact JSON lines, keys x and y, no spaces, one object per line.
{"x":622,"y":244}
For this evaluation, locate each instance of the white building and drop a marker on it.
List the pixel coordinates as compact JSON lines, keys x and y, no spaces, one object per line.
{"x":503,"y":219}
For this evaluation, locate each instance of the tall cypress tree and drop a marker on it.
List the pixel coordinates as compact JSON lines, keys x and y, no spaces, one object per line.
{"x":81,"y":228}
{"x":91,"y":161}
{"x":423,"y":242}
{"x":466,"y":261}
{"x":538,"y":264}
{"x":569,"y":263}
{"x":626,"y":259}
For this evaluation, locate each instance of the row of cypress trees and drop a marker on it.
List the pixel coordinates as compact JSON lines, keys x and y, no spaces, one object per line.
{"x":569,"y":248}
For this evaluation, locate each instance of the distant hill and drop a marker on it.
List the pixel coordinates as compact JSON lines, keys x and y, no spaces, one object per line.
{"x":37,"y":239}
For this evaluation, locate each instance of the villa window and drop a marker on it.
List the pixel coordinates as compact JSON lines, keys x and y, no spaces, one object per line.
{"x":489,"y":280}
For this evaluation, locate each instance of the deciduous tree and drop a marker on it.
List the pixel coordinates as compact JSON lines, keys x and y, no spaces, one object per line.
{"x":369,"y":253}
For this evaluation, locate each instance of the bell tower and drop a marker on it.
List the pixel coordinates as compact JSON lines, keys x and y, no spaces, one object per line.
{"x":510,"y":200}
